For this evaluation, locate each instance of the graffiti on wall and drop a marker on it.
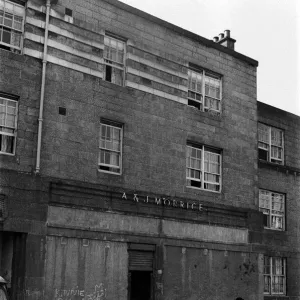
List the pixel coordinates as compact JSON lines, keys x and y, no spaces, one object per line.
{"x":98,"y":293}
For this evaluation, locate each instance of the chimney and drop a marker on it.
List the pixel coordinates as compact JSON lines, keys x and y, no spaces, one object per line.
{"x":225,"y":40}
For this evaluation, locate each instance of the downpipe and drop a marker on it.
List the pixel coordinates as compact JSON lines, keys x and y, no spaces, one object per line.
{"x":40,"y":119}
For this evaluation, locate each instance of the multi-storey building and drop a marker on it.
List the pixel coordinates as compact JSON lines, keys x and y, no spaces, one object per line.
{"x":136,"y":162}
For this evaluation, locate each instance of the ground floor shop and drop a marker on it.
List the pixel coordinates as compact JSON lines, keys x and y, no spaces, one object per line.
{"x":77,"y":241}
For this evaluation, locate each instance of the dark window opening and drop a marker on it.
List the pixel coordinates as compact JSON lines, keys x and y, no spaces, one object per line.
{"x":7,"y":143}
{"x":108,"y":73}
{"x":263,"y":154}
{"x":140,"y":285}
{"x":195,"y":183}
{"x":194,"y":104}
{"x":69,"y":12}
{"x":266,"y":220}
{"x":109,"y":169}
{"x":5,"y":47}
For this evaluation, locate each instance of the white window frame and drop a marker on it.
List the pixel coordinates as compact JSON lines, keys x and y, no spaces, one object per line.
{"x":192,"y":101}
{"x":11,"y":28}
{"x":268,"y":201}
{"x":271,"y":275}
{"x":114,"y":64}
{"x":119,"y":127}
{"x":267,"y":144}
{"x":201,"y":151}
{"x":4,"y":127}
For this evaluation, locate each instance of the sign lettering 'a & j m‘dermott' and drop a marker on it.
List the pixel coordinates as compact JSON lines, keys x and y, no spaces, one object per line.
{"x":192,"y":205}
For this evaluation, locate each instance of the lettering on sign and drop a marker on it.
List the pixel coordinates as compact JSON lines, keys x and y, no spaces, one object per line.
{"x":189,"y":205}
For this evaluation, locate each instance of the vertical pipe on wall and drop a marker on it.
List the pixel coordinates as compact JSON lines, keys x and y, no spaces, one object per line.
{"x":40,"y":120}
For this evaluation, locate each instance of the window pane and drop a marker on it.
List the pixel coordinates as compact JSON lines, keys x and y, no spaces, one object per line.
{"x":267,"y":264}
{"x":1,"y":16}
{"x":276,"y":137}
{"x":8,"y":18}
{"x":263,"y":133}
{"x":267,"y":286}
{"x":195,"y":81}
{"x":114,"y":50}
{"x":16,"y":39}
{"x":6,"y":36}
{"x":276,"y":152}
{"x":7,"y":143}
{"x":211,"y":103}
{"x":277,"y":222}
{"x":117,"y":76}
{"x":212,"y":87}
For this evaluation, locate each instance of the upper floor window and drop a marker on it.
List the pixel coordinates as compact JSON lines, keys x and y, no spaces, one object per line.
{"x":11,"y":25}
{"x":270,"y":144}
{"x":110,"y":147}
{"x":274,"y":275}
{"x":273,"y":206}
{"x":114,"y":57}
{"x":203,"y":168}
{"x":8,"y":125}
{"x":204,"y":90}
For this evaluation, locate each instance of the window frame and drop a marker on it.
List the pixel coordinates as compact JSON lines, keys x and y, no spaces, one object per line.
{"x":15,"y":129}
{"x":11,"y":28}
{"x":271,"y":214}
{"x":112,"y":64}
{"x":269,"y":144}
{"x":119,"y":126}
{"x":270,"y":275}
{"x":204,"y":149}
{"x":205,"y":74}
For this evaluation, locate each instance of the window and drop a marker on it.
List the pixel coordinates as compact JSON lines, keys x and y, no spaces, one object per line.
{"x":274,"y":275}
{"x":272,"y":205}
{"x":270,"y":144}
{"x":110,"y":154}
{"x":203,"y":168}
{"x":11,"y":25}
{"x":8,"y":125}
{"x":203,"y":84}
{"x":114,"y":55}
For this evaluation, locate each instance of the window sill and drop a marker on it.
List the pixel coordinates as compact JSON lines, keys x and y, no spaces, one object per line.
{"x":108,"y":172}
{"x":8,"y":154}
{"x":203,"y":190}
{"x":213,"y":116}
{"x":274,"y":229}
{"x":17,"y":51}
{"x":276,"y":297}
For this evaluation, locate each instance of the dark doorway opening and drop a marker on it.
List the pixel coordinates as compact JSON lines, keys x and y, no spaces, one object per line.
{"x":140,"y":285}
{"x":140,"y":271}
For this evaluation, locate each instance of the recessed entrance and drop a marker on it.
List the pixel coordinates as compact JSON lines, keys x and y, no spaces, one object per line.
{"x":140,"y":285}
{"x":140,"y":273}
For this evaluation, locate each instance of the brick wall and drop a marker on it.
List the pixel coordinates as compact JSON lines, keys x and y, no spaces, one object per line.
{"x":156,"y":129}
{"x":283,"y":179}
{"x":20,"y":76}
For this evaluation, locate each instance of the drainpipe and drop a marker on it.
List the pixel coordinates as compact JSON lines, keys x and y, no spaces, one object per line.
{"x":39,"y":141}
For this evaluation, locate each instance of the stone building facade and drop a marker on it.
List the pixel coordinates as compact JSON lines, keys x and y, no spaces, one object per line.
{"x":137,"y":163}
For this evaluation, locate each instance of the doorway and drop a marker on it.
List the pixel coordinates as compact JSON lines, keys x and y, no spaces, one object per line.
{"x":140,"y":281}
{"x":140,"y":285}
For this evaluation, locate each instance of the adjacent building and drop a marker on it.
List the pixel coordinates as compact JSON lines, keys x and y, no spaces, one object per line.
{"x":137,"y":163}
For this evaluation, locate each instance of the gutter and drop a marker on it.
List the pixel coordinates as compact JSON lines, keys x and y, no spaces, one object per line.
{"x":40,"y":119}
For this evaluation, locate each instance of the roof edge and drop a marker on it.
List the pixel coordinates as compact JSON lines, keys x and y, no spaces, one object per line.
{"x":184,"y":32}
{"x":279,"y":110}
